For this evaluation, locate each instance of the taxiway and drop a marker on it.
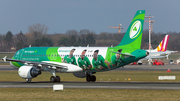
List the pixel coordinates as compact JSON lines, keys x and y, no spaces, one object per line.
{"x":95,"y":85}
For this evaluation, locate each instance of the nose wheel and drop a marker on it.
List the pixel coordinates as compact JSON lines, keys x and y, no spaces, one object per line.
{"x":28,"y":80}
{"x":55,"y":79}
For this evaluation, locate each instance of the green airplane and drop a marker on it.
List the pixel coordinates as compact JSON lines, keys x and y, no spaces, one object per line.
{"x":83,"y":62}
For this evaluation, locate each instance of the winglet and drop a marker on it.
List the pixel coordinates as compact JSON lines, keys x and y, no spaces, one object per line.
{"x":4,"y":59}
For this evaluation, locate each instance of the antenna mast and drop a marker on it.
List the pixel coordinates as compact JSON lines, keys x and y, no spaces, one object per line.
{"x":150,"y":21}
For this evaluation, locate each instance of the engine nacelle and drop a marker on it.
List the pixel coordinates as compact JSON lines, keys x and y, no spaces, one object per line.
{"x":79,"y":74}
{"x":28,"y":72}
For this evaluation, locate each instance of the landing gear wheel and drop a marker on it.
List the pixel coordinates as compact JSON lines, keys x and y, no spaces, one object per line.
{"x":28,"y":80}
{"x":93,"y":78}
{"x":52,"y":79}
{"x":58,"y":79}
{"x":88,"y":78}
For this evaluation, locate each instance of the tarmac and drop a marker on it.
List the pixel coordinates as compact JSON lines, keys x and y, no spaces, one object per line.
{"x":102,"y":84}
{"x":95,"y":85}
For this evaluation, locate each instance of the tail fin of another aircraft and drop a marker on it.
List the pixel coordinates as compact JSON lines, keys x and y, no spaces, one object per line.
{"x":165,"y":40}
{"x":163,"y":45}
{"x":159,"y":47}
{"x":133,"y":35}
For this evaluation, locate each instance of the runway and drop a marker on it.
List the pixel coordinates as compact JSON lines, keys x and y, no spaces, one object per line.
{"x":96,"y":85}
{"x":7,"y":68}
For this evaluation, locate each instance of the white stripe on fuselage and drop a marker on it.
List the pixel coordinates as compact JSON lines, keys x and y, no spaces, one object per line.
{"x":78,"y":50}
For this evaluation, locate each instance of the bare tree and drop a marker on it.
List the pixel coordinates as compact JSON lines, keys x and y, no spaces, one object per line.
{"x":8,"y":39}
{"x":20,"y":41}
{"x":38,"y":30}
{"x":84,"y":31}
{"x":72,"y":32}
{"x":2,"y":43}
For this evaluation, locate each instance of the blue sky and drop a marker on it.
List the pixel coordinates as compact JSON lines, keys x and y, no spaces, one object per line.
{"x":94,"y":15}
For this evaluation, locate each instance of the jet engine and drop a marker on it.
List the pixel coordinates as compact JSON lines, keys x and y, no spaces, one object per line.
{"x":28,"y":72}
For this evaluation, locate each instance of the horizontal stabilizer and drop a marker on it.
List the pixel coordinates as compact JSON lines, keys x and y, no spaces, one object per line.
{"x":4,"y":59}
{"x":158,"y":53}
{"x":153,"y":57}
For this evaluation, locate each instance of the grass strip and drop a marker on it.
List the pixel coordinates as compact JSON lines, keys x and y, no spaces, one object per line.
{"x":46,"y":94}
{"x":143,"y":76}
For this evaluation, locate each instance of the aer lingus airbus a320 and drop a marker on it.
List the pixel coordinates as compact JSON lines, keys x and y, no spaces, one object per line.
{"x":83,"y":62}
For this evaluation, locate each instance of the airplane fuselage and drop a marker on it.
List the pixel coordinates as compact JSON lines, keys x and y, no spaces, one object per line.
{"x":57,"y":54}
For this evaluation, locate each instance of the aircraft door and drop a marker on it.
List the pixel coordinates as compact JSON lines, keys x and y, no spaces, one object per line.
{"x":19,"y":54}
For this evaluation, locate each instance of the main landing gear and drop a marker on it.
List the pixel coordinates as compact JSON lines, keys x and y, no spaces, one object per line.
{"x":54,"y":78}
{"x":90,"y":77}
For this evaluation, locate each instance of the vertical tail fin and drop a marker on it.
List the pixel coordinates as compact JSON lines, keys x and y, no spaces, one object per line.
{"x":133,"y":35}
{"x":165,"y":40}
{"x":163,"y":44}
{"x":159,"y":47}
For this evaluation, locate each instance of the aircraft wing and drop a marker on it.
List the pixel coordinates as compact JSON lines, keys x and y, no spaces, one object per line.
{"x":52,"y":65}
{"x":169,"y":52}
{"x":162,"y":53}
{"x":125,"y":54}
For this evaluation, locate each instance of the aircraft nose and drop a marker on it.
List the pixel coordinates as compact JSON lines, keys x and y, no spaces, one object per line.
{"x":147,"y":53}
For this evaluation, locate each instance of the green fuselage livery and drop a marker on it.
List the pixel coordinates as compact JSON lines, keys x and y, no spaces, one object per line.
{"x":40,"y":54}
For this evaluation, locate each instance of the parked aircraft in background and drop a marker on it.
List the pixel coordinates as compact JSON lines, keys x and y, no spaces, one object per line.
{"x":160,"y":52}
{"x":162,"y":46}
{"x":83,"y":62}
